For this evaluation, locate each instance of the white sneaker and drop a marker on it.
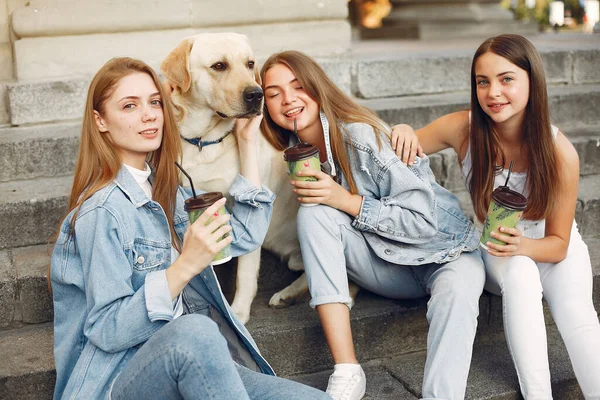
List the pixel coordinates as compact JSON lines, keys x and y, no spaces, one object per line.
{"x":346,"y":385}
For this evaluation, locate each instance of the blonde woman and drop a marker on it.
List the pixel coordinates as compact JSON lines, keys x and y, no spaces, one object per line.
{"x":386,"y":225}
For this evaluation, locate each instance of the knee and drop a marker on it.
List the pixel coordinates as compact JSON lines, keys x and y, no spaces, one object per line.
{"x":316,"y":217}
{"x":466,"y":280}
{"x":521,"y":275}
{"x":193,"y":332}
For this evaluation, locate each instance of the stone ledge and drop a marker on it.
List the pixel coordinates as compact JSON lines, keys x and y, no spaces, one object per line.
{"x":571,"y":105}
{"x":72,"y":17}
{"x":585,"y":66}
{"x":449,"y":71}
{"x":35,"y":206}
{"x":492,"y":374}
{"x":60,"y":56}
{"x":63,"y":99}
{"x":8,"y":290}
{"x":38,"y":151}
{"x":4,"y":102}
{"x":47,"y":101}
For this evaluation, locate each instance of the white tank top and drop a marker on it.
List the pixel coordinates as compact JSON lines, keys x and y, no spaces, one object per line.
{"x":518,"y":183}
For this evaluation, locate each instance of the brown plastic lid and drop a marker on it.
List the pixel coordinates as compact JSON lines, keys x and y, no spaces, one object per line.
{"x":509,"y":198}
{"x":301,"y":151}
{"x":202,"y":201}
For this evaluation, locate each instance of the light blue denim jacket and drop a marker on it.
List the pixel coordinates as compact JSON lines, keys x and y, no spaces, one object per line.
{"x":109,"y":284}
{"x":406,"y":216}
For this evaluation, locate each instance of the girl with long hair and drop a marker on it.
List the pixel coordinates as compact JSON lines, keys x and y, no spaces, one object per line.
{"x":389,"y":227}
{"x":138,"y":311}
{"x":544,"y":256}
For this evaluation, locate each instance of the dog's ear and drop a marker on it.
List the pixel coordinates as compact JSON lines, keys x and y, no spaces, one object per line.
{"x":175,"y":66}
{"x":257,"y":75}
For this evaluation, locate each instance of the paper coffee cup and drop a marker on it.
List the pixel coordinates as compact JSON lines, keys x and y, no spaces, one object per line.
{"x":195,"y":206}
{"x":300,"y":157}
{"x":506,"y":209}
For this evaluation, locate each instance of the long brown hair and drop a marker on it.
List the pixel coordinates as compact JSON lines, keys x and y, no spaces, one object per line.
{"x":536,"y":133}
{"x":337,"y":106}
{"x":98,"y":161}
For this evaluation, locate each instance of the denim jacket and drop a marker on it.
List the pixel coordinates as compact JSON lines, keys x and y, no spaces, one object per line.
{"x":406,"y":216}
{"x":109,"y":284}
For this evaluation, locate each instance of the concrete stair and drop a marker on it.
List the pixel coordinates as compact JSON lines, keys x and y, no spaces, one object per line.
{"x":491,"y":376}
{"x":409,"y":83}
{"x":390,"y":337}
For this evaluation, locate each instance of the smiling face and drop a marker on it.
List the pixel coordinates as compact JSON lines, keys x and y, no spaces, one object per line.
{"x":133,"y":118}
{"x":287,"y":100}
{"x":502,"y":89}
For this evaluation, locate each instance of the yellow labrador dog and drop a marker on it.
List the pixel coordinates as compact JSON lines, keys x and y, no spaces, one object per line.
{"x":214,"y":80}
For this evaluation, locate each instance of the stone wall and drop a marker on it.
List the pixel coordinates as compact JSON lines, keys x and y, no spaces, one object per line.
{"x":70,"y":38}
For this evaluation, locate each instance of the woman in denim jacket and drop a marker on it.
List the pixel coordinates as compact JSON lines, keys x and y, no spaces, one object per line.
{"x":389,"y":227}
{"x":139,"y":313}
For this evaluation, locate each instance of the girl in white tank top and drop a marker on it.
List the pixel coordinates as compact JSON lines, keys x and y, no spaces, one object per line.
{"x":544,"y":257}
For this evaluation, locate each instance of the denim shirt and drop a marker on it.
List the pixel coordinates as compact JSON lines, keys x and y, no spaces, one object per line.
{"x":109,"y":284}
{"x":406,"y":216}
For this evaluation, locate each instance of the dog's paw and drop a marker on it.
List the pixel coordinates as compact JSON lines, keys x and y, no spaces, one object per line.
{"x":242,"y":312}
{"x":280,"y":300}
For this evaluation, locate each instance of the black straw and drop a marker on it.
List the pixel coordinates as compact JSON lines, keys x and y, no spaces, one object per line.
{"x":186,"y":174}
{"x":509,"y":171}
{"x":295,"y":128}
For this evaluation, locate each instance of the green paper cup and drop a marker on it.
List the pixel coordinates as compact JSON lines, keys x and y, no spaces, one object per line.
{"x":300,"y":157}
{"x":195,"y":206}
{"x":506,"y":209}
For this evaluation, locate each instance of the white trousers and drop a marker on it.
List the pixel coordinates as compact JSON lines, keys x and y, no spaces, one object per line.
{"x":567,"y":288}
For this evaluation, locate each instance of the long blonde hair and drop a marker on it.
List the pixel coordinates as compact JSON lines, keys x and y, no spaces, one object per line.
{"x":337,"y":106}
{"x":98,"y":161}
{"x":486,"y":154}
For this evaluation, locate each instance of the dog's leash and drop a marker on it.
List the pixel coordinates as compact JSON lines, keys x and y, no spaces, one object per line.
{"x":202,"y":143}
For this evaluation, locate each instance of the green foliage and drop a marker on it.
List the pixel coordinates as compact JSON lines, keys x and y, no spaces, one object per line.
{"x":540,"y":14}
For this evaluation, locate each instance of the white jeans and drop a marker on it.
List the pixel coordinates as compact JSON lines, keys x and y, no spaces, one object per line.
{"x":567,"y":287}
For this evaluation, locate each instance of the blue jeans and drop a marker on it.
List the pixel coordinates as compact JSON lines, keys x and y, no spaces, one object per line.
{"x":332,"y":250}
{"x":188,"y":359}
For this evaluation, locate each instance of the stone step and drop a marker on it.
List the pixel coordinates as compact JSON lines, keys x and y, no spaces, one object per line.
{"x":492,"y":375}
{"x":38,"y":151}
{"x":27,"y":367}
{"x":35,"y":207}
{"x":48,"y":150}
{"x":573,"y":106}
{"x":586,"y":141}
{"x":291,"y":339}
{"x":388,"y":69}
{"x":30,"y":210}
{"x":396,"y":69}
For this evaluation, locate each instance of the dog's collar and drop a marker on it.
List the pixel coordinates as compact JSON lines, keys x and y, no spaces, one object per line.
{"x":202,"y":143}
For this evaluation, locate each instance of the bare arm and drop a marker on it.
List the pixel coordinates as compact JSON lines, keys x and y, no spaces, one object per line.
{"x":246,"y":132}
{"x":448,"y":131}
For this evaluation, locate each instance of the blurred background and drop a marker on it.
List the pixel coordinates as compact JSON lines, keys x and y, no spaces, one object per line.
{"x":42,"y":39}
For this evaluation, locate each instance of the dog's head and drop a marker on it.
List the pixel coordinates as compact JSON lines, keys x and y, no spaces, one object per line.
{"x":216,"y":71}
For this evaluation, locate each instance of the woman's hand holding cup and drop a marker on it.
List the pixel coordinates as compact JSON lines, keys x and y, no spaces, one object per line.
{"x":325,"y":191}
{"x":203,"y":241}
{"x":512,"y":238}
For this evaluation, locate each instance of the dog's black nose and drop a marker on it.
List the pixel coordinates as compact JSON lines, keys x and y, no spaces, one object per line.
{"x":253,"y":95}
